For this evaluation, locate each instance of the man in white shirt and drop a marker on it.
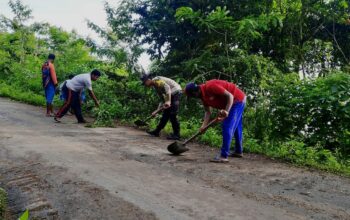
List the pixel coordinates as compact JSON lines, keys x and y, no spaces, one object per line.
{"x":73,"y":88}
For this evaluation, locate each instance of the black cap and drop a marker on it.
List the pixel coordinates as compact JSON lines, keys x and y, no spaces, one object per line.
{"x":51,"y":56}
{"x":96,"y":73}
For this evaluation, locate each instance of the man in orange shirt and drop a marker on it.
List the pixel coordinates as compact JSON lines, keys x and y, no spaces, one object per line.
{"x":49,"y":83}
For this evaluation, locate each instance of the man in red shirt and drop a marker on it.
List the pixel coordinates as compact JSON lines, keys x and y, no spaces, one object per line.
{"x":230,"y":101}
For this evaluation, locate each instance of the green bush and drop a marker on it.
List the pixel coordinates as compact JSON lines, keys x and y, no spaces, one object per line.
{"x":3,"y":203}
{"x":318,"y":111}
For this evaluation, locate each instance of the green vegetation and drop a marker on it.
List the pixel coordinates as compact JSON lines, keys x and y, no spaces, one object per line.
{"x":3,"y":203}
{"x":290,"y":57}
{"x":20,"y":95}
{"x":25,"y":215}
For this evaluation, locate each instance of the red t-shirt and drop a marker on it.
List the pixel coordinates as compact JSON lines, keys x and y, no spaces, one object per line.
{"x":213,"y":93}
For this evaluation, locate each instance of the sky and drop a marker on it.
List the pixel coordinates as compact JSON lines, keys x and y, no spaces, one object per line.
{"x":70,"y":15}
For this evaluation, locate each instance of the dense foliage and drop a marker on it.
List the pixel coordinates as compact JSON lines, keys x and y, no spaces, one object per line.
{"x":290,"y":57}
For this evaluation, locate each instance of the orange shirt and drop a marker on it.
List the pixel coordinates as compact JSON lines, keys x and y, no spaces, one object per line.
{"x":53,"y":73}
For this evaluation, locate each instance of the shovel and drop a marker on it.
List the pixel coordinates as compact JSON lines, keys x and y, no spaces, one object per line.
{"x":141,"y":123}
{"x":178,"y":148}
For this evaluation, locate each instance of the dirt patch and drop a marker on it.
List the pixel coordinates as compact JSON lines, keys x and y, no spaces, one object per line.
{"x":50,"y":192}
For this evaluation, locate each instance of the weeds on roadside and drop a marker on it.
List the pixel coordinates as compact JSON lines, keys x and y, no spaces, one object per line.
{"x":3,"y":203}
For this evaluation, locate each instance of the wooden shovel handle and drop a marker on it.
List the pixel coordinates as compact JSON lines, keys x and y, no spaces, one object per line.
{"x":199,"y":133}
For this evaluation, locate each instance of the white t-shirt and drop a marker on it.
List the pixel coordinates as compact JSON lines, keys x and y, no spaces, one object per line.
{"x":170,"y":85}
{"x":80,"y":82}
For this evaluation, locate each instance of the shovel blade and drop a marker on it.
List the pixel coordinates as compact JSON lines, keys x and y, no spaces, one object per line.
{"x":177,"y":148}
{"x":140,"y":123}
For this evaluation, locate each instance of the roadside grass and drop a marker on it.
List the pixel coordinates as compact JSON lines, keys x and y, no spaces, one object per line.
{"x":3,"y":203}
{"x":17,"y":94}
{"x":297,"y":153}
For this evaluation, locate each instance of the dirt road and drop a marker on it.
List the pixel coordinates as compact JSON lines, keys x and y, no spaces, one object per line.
{"x":66,"y":171}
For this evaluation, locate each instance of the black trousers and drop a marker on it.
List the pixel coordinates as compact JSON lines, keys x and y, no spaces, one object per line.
{"x":72,"y":101}
{"x":171,"y":114}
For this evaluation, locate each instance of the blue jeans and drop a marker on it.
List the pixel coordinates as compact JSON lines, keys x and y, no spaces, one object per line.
{"x":49,"y":93}
{"x":233,"y":126}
